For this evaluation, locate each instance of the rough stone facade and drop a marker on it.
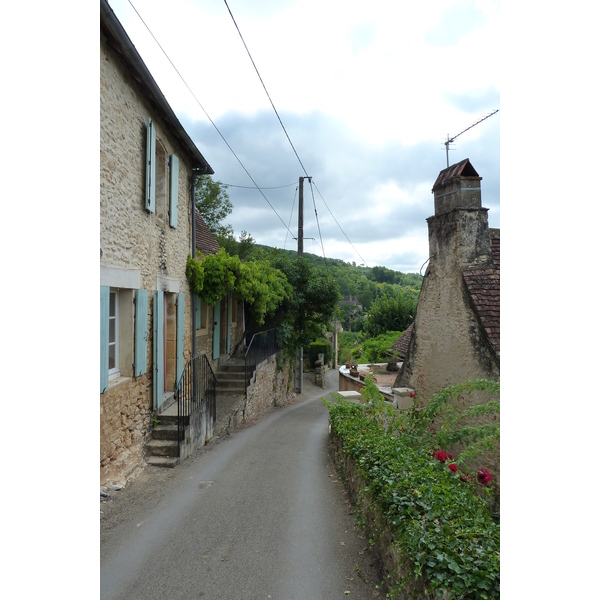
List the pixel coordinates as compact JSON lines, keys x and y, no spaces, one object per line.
{"x":272,"y":386}
{"x":455,"y":335}
{"x":138,"y":250}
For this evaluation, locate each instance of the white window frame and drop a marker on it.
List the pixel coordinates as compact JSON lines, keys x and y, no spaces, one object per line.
{"x":115,"y":371}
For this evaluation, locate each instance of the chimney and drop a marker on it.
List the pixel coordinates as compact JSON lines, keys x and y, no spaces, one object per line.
{"x":459,"y":229}
{"x":458,"y":186}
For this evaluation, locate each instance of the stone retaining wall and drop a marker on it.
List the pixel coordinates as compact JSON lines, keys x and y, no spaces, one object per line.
{"x":271,"y":386}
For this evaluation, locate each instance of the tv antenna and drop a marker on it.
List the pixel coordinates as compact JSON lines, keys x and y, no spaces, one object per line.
{"x":449,"y":139}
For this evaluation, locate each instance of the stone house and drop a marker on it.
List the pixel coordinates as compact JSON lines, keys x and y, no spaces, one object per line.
{"x":147,"y":164}
{"x":456,"y":332}
{"x":455,"y":335}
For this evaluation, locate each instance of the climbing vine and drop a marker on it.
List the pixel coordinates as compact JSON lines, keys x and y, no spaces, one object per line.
{"x":256,"y":282}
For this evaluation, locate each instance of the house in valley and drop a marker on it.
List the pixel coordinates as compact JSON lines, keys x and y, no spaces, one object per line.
{"x":147,"y":219}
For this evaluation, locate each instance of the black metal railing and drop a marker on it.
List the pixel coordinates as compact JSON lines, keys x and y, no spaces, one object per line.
{"x":195,"y":390}
{"x":261,"y":346}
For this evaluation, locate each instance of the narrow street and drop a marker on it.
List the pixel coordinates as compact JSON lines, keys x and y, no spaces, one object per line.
{"x":260,"y":515}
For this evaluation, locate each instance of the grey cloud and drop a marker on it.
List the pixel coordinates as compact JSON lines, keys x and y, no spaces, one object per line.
{"x":345,"y":171}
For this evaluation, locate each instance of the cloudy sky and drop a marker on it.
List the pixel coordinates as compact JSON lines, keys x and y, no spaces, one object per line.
{"x":367,"y":93}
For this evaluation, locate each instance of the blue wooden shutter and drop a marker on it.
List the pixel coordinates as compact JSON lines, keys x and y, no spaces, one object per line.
{"x":104,"y":312}
{"x":217,"y":330}
{"x":198,"y":315}
{"x":180,"y":330}
{"x":229,"y":323}
{"x":150,"y":196}
{"x":173,"y":190}
{"x":141,"y":332}
{"x":159,"y":347}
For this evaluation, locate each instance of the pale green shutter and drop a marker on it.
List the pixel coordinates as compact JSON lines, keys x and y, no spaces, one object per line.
{"x":217,"y":330}
{"x":104,"y":312}
{"x":198,"y":315}
{"x":150,"y":196}
{"x":180,"y":330}
{"x":173,"y":190}
{"x":159,"y":346}
{"x":141,"y":332}
{"x":229,"y":323}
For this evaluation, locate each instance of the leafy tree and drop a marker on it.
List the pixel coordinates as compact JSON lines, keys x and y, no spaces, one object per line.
{"x":212,"y":200}
{"x":392,"y":312}
{"x":311,"y":306}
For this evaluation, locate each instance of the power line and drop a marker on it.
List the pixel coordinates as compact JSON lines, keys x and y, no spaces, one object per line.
{"x":317,"y":217}
{"x":355,"y":250}
{"x":251,"y":187}
{"x":207,"y":115}
{"x":265,"y":87}
{"x":291,"y":213}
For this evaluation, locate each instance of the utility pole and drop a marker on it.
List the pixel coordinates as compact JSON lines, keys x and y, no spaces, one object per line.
{"x":299,"y":384}
{"x":301,"y":216}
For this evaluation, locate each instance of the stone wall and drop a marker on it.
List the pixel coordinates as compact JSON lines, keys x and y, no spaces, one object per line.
{"x":271,"y":386}
{"x":139,"y":242}
{"x":447,"y":344}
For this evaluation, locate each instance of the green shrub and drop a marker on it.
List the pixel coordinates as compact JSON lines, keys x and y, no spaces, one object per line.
{"x":435,"y":513}
{"x":319,"y":347}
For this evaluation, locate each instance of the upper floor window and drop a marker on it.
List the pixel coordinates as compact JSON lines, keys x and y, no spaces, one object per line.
{"x":162,"y":178}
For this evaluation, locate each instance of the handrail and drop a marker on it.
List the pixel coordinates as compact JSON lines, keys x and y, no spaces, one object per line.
{"x":262,"y":345}
{"x":196,"y":389}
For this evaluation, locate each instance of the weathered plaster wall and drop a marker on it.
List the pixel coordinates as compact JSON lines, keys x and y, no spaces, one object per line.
{"x":132,"y":238}
{"x":448,"y":345}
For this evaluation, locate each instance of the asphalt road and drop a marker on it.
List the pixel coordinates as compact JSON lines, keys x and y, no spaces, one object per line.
{"x":260,"y":515}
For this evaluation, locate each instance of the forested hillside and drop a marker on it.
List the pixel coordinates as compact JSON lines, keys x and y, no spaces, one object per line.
{"x":389,"y":296}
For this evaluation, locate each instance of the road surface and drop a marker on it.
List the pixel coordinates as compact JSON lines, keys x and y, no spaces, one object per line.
{"x":260,"y":515}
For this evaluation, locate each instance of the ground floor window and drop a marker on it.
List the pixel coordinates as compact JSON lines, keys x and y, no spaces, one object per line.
{"x":113,"y":335}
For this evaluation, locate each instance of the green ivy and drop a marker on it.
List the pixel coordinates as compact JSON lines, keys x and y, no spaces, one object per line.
{"x":213,"y":276}
{"x":442,"y":522}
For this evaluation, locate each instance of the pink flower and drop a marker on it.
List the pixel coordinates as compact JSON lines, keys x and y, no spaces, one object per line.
{"x":441,"y":456}
{"x":453,"y":467}
{"x":412,"y":394}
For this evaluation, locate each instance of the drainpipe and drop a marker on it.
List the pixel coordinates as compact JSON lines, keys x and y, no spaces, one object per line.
{"x":193,"y":256}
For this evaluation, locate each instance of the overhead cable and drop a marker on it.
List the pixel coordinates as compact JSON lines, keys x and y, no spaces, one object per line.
{"x":265,"y":88}
{"x":355,"y":250}
{"x":207,"y":115}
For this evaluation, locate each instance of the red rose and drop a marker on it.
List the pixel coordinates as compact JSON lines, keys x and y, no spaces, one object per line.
{"x":450,"y":457}
{"x":412,"y":394}
{"x":441,"y":456}
{"x":453,"y":467}
{"x":484,"y":477}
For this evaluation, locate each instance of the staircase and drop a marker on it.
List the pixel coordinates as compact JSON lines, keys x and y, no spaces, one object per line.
{"x":231,"y":377}
{"x":163,"y":449}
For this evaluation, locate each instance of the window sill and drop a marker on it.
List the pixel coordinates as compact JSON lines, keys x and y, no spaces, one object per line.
{"x":117,"y":381}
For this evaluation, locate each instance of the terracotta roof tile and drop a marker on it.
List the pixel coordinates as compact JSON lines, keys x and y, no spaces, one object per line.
{"x":205,"y":240}
{"x":483,"y":286}
{"x":463,"y":169}
{"x":400,"y":346}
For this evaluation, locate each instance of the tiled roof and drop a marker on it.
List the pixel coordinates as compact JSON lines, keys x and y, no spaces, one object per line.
{"x":205,"y":240}
{"x":483,"y":286}
{"x":464,"y":170}
{"x":400,"y":346}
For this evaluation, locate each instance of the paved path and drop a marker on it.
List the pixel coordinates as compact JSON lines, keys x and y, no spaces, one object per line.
{"x":261,"y":515}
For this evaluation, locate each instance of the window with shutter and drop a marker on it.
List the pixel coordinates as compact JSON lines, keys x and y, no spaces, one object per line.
{"x":141,"y":332}
{"x":150,"y":196}
{"x":173,"y":189}
{"x":104,"y":312}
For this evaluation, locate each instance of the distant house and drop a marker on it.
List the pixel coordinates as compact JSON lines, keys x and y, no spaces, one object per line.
{"x":147,"y":163}
{"x":456,"y":332}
